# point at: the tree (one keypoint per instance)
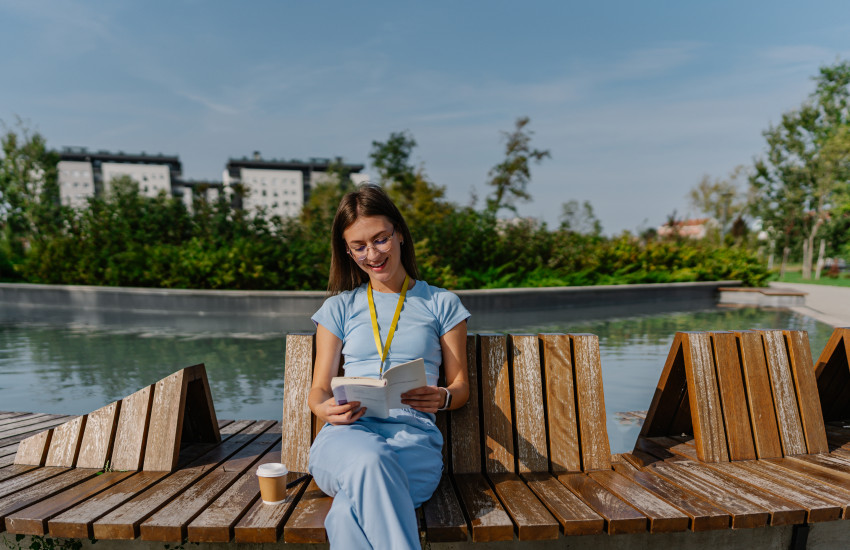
(721, 199)
(806, 163)
(580, 218)
(510, 177)
(29, 189)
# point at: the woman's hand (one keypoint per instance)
(332, 413)
(425, 398)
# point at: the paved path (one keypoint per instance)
(828, 304)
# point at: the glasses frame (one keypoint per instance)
(373, 245)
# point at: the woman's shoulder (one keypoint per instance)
(435, 293)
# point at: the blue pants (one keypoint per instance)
(378, 471)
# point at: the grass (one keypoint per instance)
(793, 275)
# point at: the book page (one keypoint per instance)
(371, 397)
(402, 378)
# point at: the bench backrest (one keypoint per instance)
(833, 374)
(536, 404)
(743, 395)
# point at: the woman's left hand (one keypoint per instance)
(425, 398)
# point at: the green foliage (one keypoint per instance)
(510, 177)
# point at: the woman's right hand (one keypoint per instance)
(340, 414)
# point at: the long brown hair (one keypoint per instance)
(369, 200)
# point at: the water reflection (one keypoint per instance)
(77, 369)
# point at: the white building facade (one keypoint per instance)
(152, 178)
(76, 183)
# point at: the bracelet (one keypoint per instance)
(448, 400)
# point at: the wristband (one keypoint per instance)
(448, 400)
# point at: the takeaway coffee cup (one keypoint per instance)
(272, 479)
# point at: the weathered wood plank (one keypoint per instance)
(745, 514)
(99, 434)
(47, 488)
(166, 422)
(663, 518)
(706, 414)
(619, 516)
(264, 523)
(465, 422)
(65, 443)
(703, 515)
(169, 524)
(15, 470)
(305, 525)
(132, 431)
(592, 419)
(487, 517)
(564, 448)
(33, 450)
(760, 395)
(739, 434)
(27, 479)
(831, 485)
(444, 521)
(784, 395)
(496, 405)
(297, 417)
(35, 423)
(33, 519)
(575, 517)
(811, 416)
(532, 452)
(532, 519)
(123, 522)
(78, 521)
(832, 372)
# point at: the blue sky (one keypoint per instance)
(636, 101)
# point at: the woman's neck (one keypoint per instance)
(392, 286)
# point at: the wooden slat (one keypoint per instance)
(663, 518)
(784, 396)
(760, 396)
(744, 513)
(169, 524)
(123, 523)
(65, 443)
(444, 521)
(564, 448)
(25, 480)
(297, 419)
(532, 452)
(592, 419)
(811, 416)
(831, 485)
(782, 512)
(817, 508)
(98, 436)
(671, 390)
(77, 522)
(166, 422)
(496, 405)
(264, 523)
(706, 414)
(29, 431)
(36, 422)
(465, 422)
(532, 519)
(619, 516)
(739, 434)
(703, 515)
(15, 470)
(33, 450)
(575, 517)
(131, 434)
(306, 525)
(833, 373)
(47, 488)
(33, 519)
(487, 517)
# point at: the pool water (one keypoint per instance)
(75, 370)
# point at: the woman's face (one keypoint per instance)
(375, 246)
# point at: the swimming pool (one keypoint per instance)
(77, 369)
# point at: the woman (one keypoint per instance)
(380, 470)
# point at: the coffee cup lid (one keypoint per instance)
(272, 469)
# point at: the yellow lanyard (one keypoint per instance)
(374, 315)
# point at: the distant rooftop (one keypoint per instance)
(257, 161)
(102, 155)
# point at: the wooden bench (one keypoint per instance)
(528, 455)
(736, 419)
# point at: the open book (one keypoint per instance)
(381, 394)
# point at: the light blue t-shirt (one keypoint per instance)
(428, 313)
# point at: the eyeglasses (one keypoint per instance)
(381, 244)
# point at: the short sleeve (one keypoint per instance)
(332, 316)
(449, 311)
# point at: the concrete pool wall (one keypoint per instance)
(286, 311)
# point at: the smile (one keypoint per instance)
(377, 266)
